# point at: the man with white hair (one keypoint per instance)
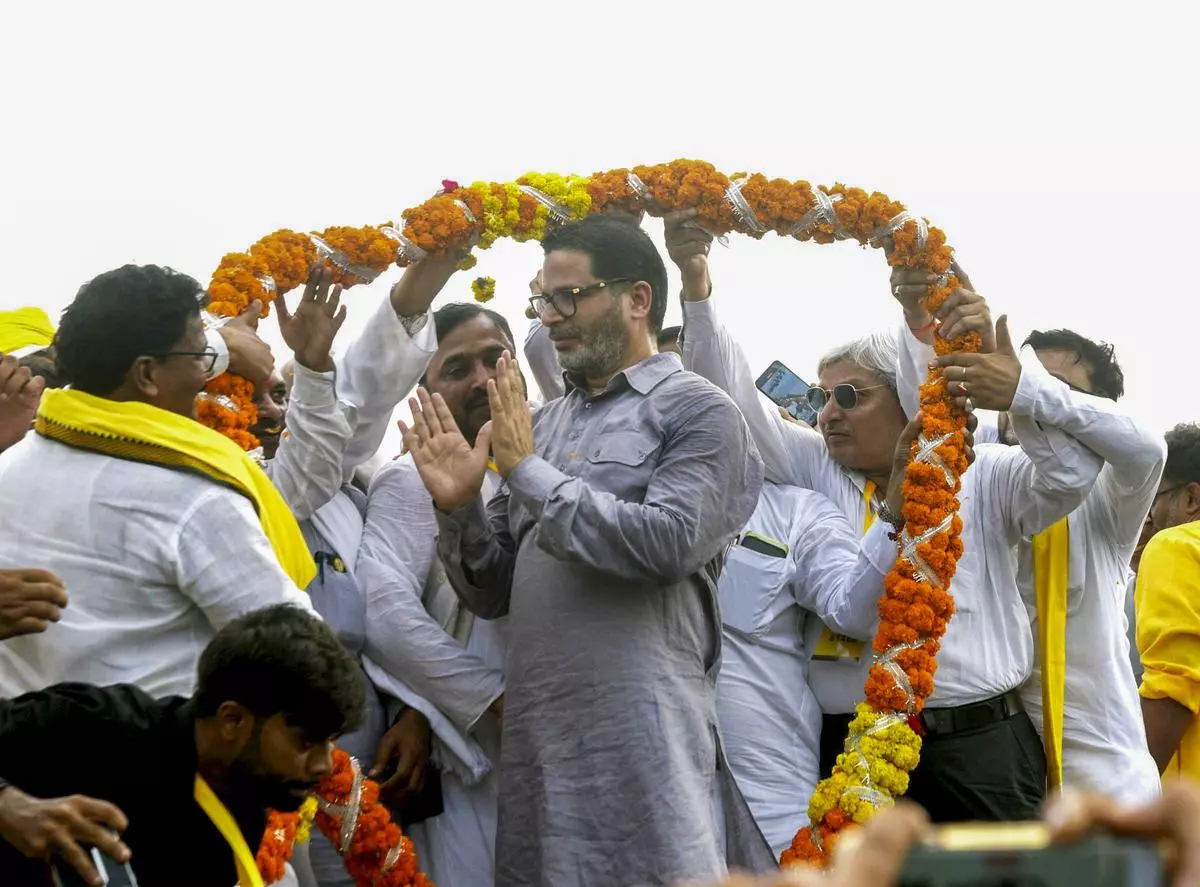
(982, 758)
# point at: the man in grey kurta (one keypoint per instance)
(603, 548)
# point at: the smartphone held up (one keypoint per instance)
(787, 390)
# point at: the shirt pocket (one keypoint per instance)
(622, 463)
(749, 585)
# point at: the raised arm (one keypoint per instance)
(541, 359)
(397, 555)
(307, 467)
(1134, 456)
(388, 359)
(790, 454)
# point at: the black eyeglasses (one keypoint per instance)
(1168, 491)
(566, 301)
(209, 355)
(845, 395)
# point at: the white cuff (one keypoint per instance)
(217, 343)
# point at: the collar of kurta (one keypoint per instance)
(642, 377)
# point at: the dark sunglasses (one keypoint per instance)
(845, 395)
(566, 301)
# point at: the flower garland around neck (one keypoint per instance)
(882, 747)
(346, 809)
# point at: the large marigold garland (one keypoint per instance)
(347, 811)
(883, 747)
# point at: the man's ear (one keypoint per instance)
(142, 376)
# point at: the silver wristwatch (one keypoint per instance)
(888, 516)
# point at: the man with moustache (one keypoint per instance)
(83, 763)
(603, 549)
(981, 755)
(421, 643)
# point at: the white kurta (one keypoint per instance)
(1104, 739)
(155, 561)
(769, 718)
(1005, 496)
(418, 632)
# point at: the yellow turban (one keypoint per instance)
(24, 331)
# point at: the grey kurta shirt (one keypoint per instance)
(603, 549)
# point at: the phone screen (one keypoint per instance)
(114, 873)
(788, 390)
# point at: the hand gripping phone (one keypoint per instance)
(787, 390)
(115, 874)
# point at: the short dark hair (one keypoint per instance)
(671, 335)
(119, 316)
(452, 315)
(616, 249)
(41, 364)
(1107, 378)
(283, 660)
(1183, 454)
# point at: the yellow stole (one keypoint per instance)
(1051, 563)
(142, 433)
(243, 856)
(832, 646)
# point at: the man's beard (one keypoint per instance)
(268, 790)
(599, 350)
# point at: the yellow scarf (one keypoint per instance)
(24, 328)
(1051, 564)
(142, 433)
(243, 856)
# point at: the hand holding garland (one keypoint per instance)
(310, 331)
(989, 380)
(688, 245)
(249, 356)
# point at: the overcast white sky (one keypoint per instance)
(1055, 143)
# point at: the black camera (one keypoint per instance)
(1021, 855)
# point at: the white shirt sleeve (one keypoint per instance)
(1134, 456)
(541, 358)
(225, 564)
(838, 578)
(912, 367)
(398, 551)
(790, 454)
(307, 468)
(1033, 494)
(379, 368)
